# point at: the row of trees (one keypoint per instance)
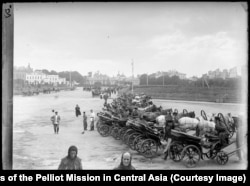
(175, 80)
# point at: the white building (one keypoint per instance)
(35, 77)
(52, 79)
(38, 77)
(61, 80)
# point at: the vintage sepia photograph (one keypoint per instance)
(125, 85)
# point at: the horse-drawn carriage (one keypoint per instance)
(143, 137)
(109, 124)
(190, 149)
(230, 122)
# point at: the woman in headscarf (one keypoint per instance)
(77, 110)
(125, 162)
(71, 162)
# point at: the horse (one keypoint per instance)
(161, 120)
(184, 114)
(211, 116)
(150, 116)
(185, 123)
(204, 126)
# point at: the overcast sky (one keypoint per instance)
(191, 38)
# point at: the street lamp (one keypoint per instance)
(163, 80)
(147, 79)
(132, 75)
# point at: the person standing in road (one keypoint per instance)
(71, 161)
(56, 120)
(169, 125)
(51, 118)
(85, 124)
(92, 120)
(105, 97)
(78, 111)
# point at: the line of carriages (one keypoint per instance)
(143, 137)
(146, 138)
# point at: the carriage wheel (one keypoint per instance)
(175, 150)
(128, 131)
(131, 139)
(138, 142)
(126, 136)
(149, 148)
(98, 124)
(191, 155)
(203, 114)
(122, 132)
(104, 130)
(222, 158)
(211, 154)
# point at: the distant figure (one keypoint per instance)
(53, 111)
(105, 97)
(125, 163)
(56, 121)
(92, 120)
(85, 124)
(71, 161)
(78, 111)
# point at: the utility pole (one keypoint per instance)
(132, 76)
(7, 85)
(70, 79)
(147, 79)
(163, 78)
